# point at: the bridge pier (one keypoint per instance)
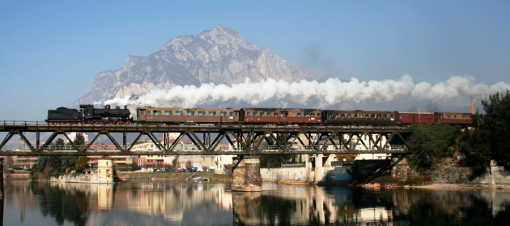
(246, 174)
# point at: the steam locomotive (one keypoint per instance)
(253, 116)
(87, 114)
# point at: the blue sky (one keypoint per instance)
(50, 51)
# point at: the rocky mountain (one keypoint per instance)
(219, 56)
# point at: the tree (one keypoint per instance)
(81, 164)
(496, 123)
(189, 165)
(175, 162)
(134, 165)
(431, 142)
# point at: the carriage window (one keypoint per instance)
(178, 113)
(223, 113)
(379, 116)
(367, 116)
(142, 112)
(149, 112)
(168, 112)
(275, 114)
(306, 114)
(318, 114)
(201, 113)
(455, 116)
(299, 114)
(247, 113)
(268, 114)
(261, 113)
(312, 114)
(236, 113)
(254, 113)
(212, 113)
(231, 114)
(191, 113)
(349, 116)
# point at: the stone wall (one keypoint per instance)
(81, 178)
(462, 175)
(275, 174)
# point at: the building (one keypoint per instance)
(105, 170)
(24, 162)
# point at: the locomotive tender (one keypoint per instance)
(253, 116)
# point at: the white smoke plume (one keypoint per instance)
(330, 92)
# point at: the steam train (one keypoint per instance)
(87, 114)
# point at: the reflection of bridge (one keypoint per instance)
(244, 139)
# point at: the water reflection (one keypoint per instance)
(162, 203)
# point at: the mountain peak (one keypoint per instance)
(218, 56)
(222, 35)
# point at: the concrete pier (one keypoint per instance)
(246, 174)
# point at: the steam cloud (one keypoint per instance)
(330, 92)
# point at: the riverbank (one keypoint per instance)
(423, 182)
(173, 176)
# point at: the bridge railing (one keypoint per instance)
(144, 125)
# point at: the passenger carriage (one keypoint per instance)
(187, 115)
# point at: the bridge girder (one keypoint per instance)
(245, 140)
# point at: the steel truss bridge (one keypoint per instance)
(244, 139)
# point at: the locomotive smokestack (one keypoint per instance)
(472, 106)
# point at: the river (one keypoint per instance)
(166, 203)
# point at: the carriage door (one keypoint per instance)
(283, 116)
